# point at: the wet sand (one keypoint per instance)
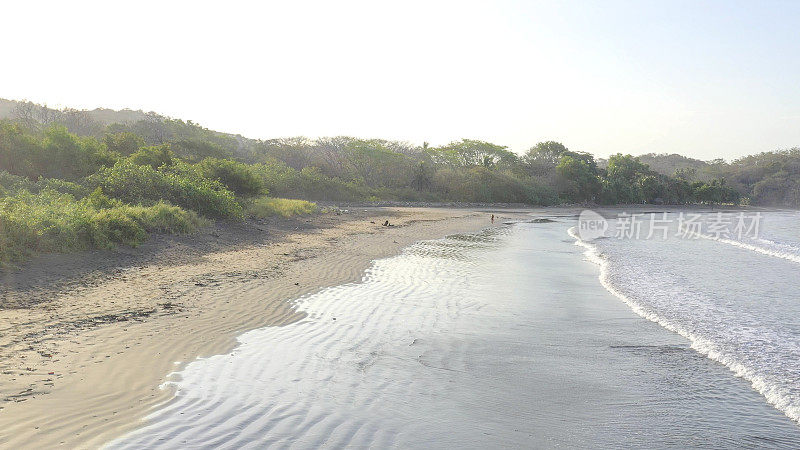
(83, 356)
(503, 338)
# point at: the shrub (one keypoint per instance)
(155, 157)
(54, 222)
(17, 150)
(283, 207)
(13, 183)
(55, 154)
(65, 155)
(239, 178)
(165, 218)
(124, 143)
(65, 187)
(116, 225)
(145, 185)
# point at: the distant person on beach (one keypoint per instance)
(492, 218)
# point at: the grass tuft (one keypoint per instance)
(279, 207)
(50, 221)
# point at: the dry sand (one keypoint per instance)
(86, 340)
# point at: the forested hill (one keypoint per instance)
(7, 108)
(24, 110)
(669, 164)
(152, 127)
(353, 169)
(72, 179)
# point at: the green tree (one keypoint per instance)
(17, 149)
(124, 143)
(155, 156)
(65, 155)
(239, 178)
(471, 153)
(624, 180)
(582, 178)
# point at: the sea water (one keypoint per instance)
(735, 296)
(507, 338)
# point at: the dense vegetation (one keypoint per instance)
(50, 221)
(77, 179)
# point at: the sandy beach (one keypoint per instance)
(504, 338)
(87, 339)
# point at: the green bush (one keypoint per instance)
(13, 183)
(18, 149)
(54, 222)
(269, 207)
(65, 155)
(145, 185)
(165, 218)
(124, 143)
(239, 178)
(155, 157)
(65, 187)
(56, 153)
(116, 225)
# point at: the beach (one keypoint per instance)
(400, 225)
(84, 363)
(442, 330)
(500, 338)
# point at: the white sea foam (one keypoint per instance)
(778, 383)
(766, 247)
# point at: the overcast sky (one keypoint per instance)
(705, 79)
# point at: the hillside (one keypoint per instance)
(102, 116)
(669, 164)
(6, 108)
(153, 128)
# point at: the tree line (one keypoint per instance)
(80, 179)
(70, 144)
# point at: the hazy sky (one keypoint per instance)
(705, 79)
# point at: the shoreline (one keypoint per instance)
(524, 324)
(96, 355)
(101, 346)
(702, 345)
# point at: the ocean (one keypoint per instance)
(523, 336)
